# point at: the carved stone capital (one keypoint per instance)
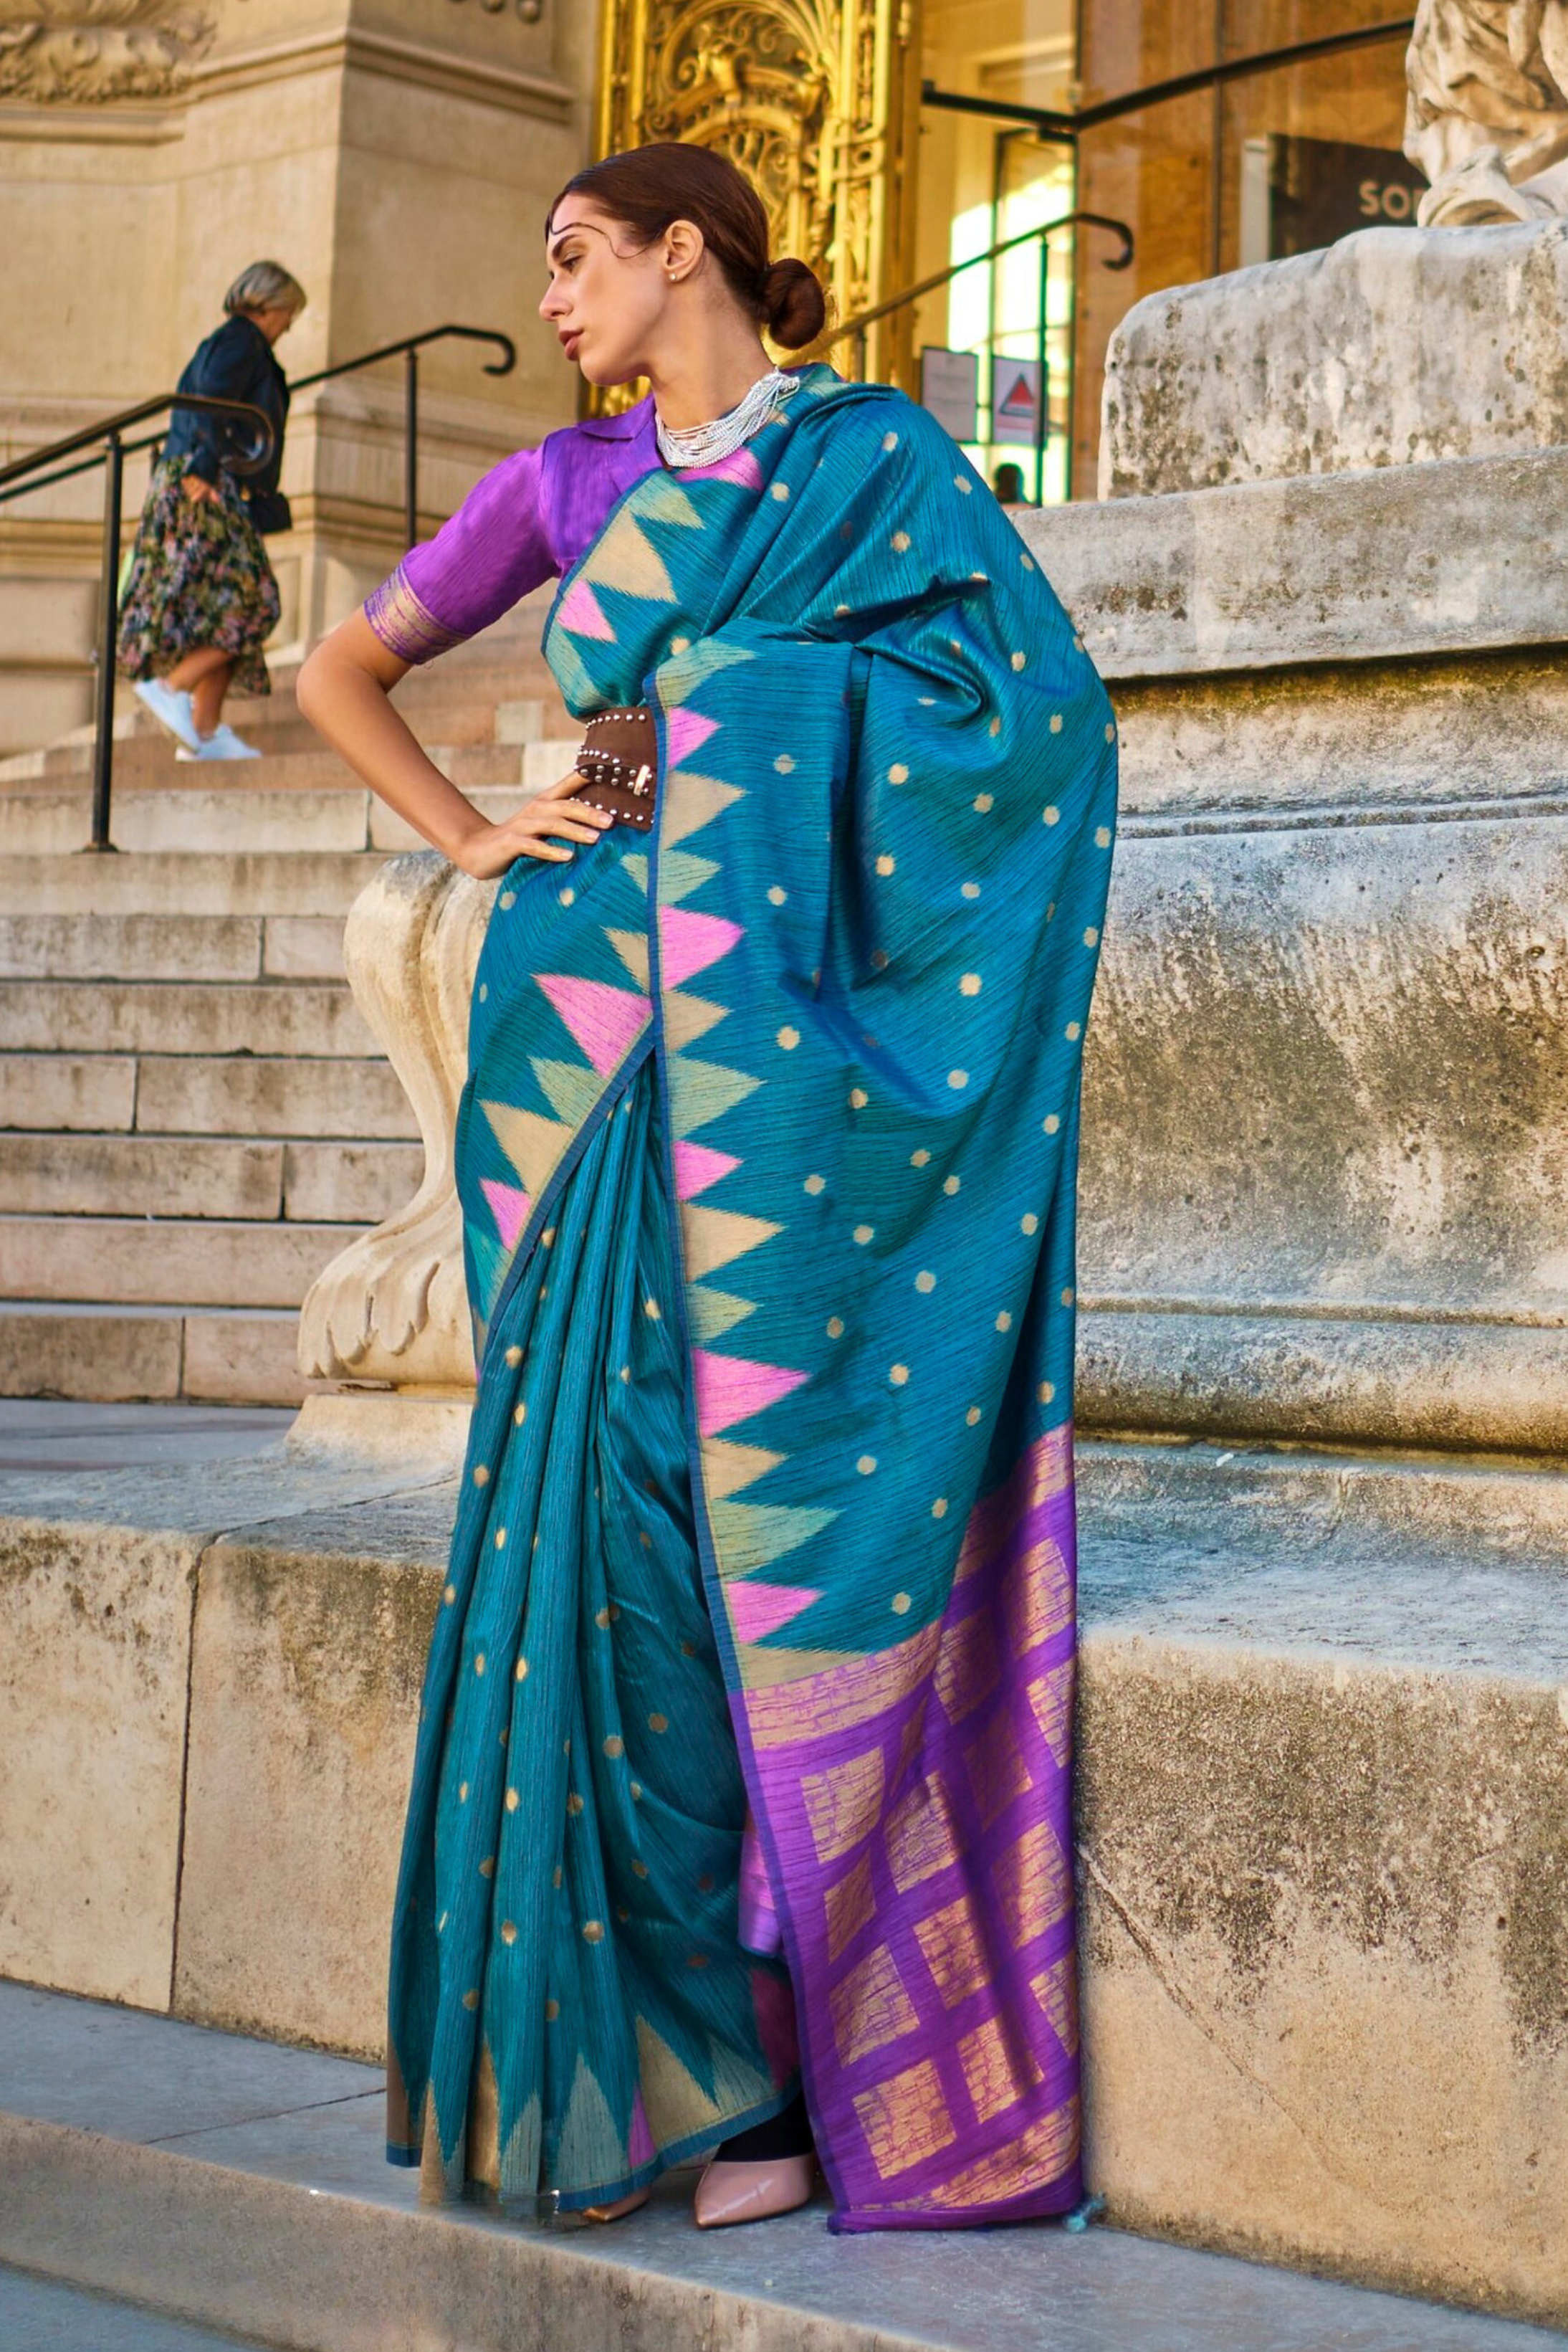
(393, 1306)
(87, 52)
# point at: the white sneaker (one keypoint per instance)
(222, 743)
(171, 707)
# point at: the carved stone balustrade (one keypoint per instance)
(391, 1309)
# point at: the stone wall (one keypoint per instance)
(397, 155)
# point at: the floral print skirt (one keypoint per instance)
(198, 576)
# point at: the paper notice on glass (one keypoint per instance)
(950, 389)
(1015, 401)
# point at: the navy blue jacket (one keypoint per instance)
(234, 363)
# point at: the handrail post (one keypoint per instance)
(410, 446)
(108, 632)
(1042, 414)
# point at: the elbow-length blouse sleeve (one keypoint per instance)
(493, 552)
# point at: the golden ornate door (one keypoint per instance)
(817, 100)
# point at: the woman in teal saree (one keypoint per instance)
(743, 1766)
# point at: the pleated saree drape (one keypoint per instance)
(767, 1161)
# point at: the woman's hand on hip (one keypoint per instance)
(206, 493)
(537, 830)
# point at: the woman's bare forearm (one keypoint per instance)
(343, 692)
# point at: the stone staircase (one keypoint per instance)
(194, 1117)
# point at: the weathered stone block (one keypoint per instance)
(304, 1703)
(115, 1016)
(358, 1183)
(243, 1358)
(147, 1261)
(1358, 1039)
(1390, 348)
(1463, 558)
(93, 1669)
(1323, 1767)
(208, 883)
(246, 1094)
(67, 1091)
(138, 1175)
(128, 947)
(303, 947)
(103, 1356)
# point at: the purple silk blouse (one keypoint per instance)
(525, 522)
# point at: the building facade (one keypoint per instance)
(397, 156)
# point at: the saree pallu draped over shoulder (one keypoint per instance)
(767, 1162)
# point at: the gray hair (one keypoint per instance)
(265, 286)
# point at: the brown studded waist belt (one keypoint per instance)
(619, 764)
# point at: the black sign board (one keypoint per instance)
(1320, 190)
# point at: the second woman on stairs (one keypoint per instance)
(200, 597)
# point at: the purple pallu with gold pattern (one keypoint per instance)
(859, 949)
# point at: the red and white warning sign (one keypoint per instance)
(1015, 400)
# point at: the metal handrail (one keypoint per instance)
(1051, 122)
(110, 428)
(13, 483)
(410, 347)
(17, 479)
(857, 325)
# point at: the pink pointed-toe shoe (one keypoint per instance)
(729, 2192)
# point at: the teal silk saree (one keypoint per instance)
(744, 1756)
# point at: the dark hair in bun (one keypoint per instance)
(649, 187)
(793, 304)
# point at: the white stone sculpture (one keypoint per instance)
(391, 1308)
(1487, 118)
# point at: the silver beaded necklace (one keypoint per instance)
(708, 445)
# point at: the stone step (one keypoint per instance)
(452, 709)
(56, 821)
(1322, 1778)
(353, 1184)
(112, 1016)
(302, 947)
(130, 947)
(152, 1261)
(182, 1176)
(235, 2185)
(546, 761)
(243, 1094)
(39, 2315)
(90, 1093)
(116, 1355)
(208, 884)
